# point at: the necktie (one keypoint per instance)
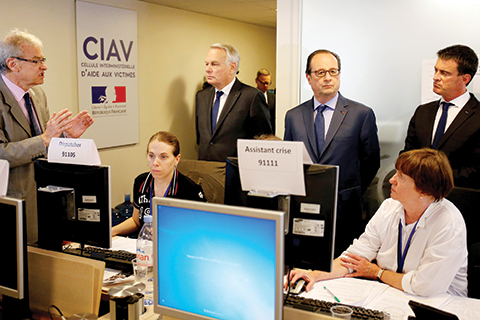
(216, 106)
(441, 124)
(34, 128)
(320, 128)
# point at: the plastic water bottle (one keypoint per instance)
(125, 208)
(145, 243)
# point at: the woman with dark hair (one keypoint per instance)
(416, 241)
(163, 180)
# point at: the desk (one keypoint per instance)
(369, 294)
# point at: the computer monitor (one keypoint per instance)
(73, 204)
(14, 275)
(214, 261)
(309, 243)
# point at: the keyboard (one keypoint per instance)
(323, 307)
(114, 259)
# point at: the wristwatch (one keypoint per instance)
(379, 274)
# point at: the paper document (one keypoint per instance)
(122, 243)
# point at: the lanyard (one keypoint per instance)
(400, 256)
(152, 191)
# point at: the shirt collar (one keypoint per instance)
(17, 92)
(330, 103)
(432, 208)
(226, 90)
(459, 101)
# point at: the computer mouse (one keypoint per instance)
(298, 287)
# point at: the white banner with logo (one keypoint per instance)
(108, 73)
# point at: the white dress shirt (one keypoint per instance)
(458, 103)
(223, 98)
(436, 261)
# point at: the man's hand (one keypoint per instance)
(80, 123)
(58, 123)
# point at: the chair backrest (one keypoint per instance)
(468, 202)
(210, 175)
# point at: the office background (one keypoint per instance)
(172, 45)
(381, 43)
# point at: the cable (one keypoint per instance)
(288, 286)
(60, 312)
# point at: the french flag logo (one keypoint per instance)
(104, 94)
(121, 94)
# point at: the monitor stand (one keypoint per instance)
(270, 200)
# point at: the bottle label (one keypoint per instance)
(145, 256)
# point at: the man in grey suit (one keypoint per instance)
(337, 131)
(26, 128)
(229, 110)
(263, 81)
(459, 136)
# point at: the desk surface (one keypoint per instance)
(371, 295)
(464, 308)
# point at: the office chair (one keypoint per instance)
(210, 175)
(468, 202)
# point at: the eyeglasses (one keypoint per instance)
(34, 61)
(323, 73)
(266, 83)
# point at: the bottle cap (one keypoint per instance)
(127, 197)
(147, 218)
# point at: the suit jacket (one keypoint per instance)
(243, 116)
(271, 108)
(352, 144)
(20, 149)
(351, 141)
(461, 141)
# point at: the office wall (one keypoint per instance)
(381, 44)
(172, 45)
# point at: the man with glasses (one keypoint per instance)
(26, 127)
(337, 131)
(451, 124)
(263, 81)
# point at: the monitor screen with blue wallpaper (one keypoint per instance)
(217, 262)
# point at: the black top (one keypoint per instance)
(181, 187)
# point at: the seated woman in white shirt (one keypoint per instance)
(417, 239)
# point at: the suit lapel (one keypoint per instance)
(308, 121)
(467, 111)
(209, 96)
(339, 115)
(227, 107)
(15, 109)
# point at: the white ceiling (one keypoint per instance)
(259, 12)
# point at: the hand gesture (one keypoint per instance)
(80, 123)
(58, 123)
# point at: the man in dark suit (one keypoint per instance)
(458, 135)
(337, 131)
(263, 81)
(229, 110)
(26, 128)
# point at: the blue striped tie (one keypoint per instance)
(320, 128)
